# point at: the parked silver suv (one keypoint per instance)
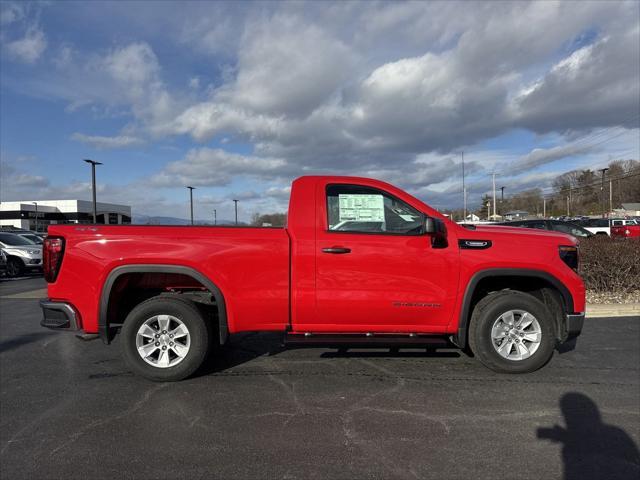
(22, 254)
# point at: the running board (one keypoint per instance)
(368, 340)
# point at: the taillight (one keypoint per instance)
(569, 255)
(52, 252)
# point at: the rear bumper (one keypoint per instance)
(59, 316)
(574, 323)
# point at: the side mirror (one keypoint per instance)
(429, 225)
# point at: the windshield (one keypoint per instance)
(14, 240)
(34, 238)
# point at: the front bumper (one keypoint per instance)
(59, 316)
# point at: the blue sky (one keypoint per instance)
(240, 98)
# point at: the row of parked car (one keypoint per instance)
(584, 228)
(20, 252)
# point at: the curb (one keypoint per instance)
(613, 310)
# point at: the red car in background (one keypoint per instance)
(625, 228)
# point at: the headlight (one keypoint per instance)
(33, 252)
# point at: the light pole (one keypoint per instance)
(191, 189)
(215, 216)
(464, 192)
(603, 170)
(36, 204)
(93, 184)
(493, 175)
(501, 199)
(236, 207)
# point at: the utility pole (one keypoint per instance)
(501, 199)
(93, 184)
(568, 199)
(36, 204)
(610, 195)
(544, 207)
(603, 170)
(464, 192)
(236, 207)
(191, 189)
(488, 209)
(493, 175)
(215, 216)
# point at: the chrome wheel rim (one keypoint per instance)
(516, 335)
(163, 341)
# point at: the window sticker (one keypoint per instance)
(361, 208)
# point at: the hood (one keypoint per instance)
(24, 248)
(491, 232)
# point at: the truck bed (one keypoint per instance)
(250, 264)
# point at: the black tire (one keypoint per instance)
(187, 312)
(485, 314)
(15, 267)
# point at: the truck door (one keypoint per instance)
(376, 269)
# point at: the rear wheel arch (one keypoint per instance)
(541, 284)
(104, 329)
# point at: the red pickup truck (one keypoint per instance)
(623, 228)
(360, 262)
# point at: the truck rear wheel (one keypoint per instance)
(512, 332)
(165, 339)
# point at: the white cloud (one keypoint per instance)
(11, 12)
(216, 167)
(596, 86)
(102, 142)
(30, 47)
(285, 70)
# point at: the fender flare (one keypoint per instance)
(465, 313)
(103, 321)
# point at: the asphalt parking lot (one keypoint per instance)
(71, 409)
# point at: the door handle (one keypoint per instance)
(336, 250)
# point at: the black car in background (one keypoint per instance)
(554, 225)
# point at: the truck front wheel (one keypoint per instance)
(165, 339)
(512, 332)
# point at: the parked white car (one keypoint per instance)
(22, 254)
(597, 226)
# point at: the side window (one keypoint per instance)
(617, 222)
(599, 222)
(571, 230)
(538, 225)
(354, 208)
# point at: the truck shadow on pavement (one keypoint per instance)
(591, 448)
(21, 340)
(243, 348)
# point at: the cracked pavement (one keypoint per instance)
(71, 409)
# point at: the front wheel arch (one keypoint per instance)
(487, 281)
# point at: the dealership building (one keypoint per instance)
(38, 214)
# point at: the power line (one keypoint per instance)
(596, 183)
